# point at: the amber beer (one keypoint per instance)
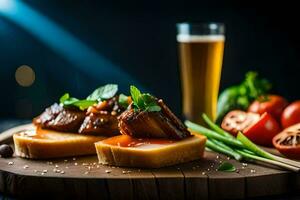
(201, 64)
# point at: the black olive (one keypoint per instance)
(6, 151)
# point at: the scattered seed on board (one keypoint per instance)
(25, 166)
(56, 166)
(245, 164)
(10, 163)
(76, 164)
(108, 171)
(252, 171)
(62, 172)
(86, 172)
(57, 171)
(45, 170)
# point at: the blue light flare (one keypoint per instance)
(65, 44)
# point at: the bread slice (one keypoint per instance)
(41, 143)
(149, 153)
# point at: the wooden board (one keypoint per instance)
(84, 178)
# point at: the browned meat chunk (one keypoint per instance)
(104, 124)
(102, 118)
(143, 124)
(60, 119)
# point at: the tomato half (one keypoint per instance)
(291, 115)
(274, 105)
(288, 142)
(238, 120)
(263, 131)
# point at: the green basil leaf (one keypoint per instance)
(154, 108)
(136, 97)
(84, 104)
(143, 101)
(64, 97)
(104, 92)
(226, 167)
(70, 101)
(123, 100)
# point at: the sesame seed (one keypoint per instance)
(62, 172)
(124, 172)
(66, 160)
(85, 164)
(76, 164)
(25, 166)
(57, 171)
(45, 170)
(98, 166)
(108, 171)
(67, 167)
(10, 163)
(89, 168)
(74, 158)
(252, 171)
(86, 172)
(203, 173)
(42, 173)
(56, 166)
(35, 171)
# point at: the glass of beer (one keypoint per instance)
(201, 49)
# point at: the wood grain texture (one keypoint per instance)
(84, 178)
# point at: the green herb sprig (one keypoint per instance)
(143, 101)
(102, 93)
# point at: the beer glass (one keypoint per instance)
(201, 49)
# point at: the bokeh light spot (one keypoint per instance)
(25, 76)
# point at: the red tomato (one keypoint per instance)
(287, 142)
(238, 120)
(274, 106)
(263, 131)
(291, 115)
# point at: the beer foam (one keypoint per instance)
(200, 38)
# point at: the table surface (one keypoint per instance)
(6, 124)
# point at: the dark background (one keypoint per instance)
(141, 39)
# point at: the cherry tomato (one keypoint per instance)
(263, 131)
(288, 142)
(291, 115)
(274, 105)
(238, 120)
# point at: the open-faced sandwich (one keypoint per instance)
(152, 136)
(71, 127)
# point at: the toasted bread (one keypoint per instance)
(150, 153)
(41, 143)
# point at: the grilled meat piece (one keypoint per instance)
(104, 124)
(102, 118)
(59, 118)
(143, 124)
